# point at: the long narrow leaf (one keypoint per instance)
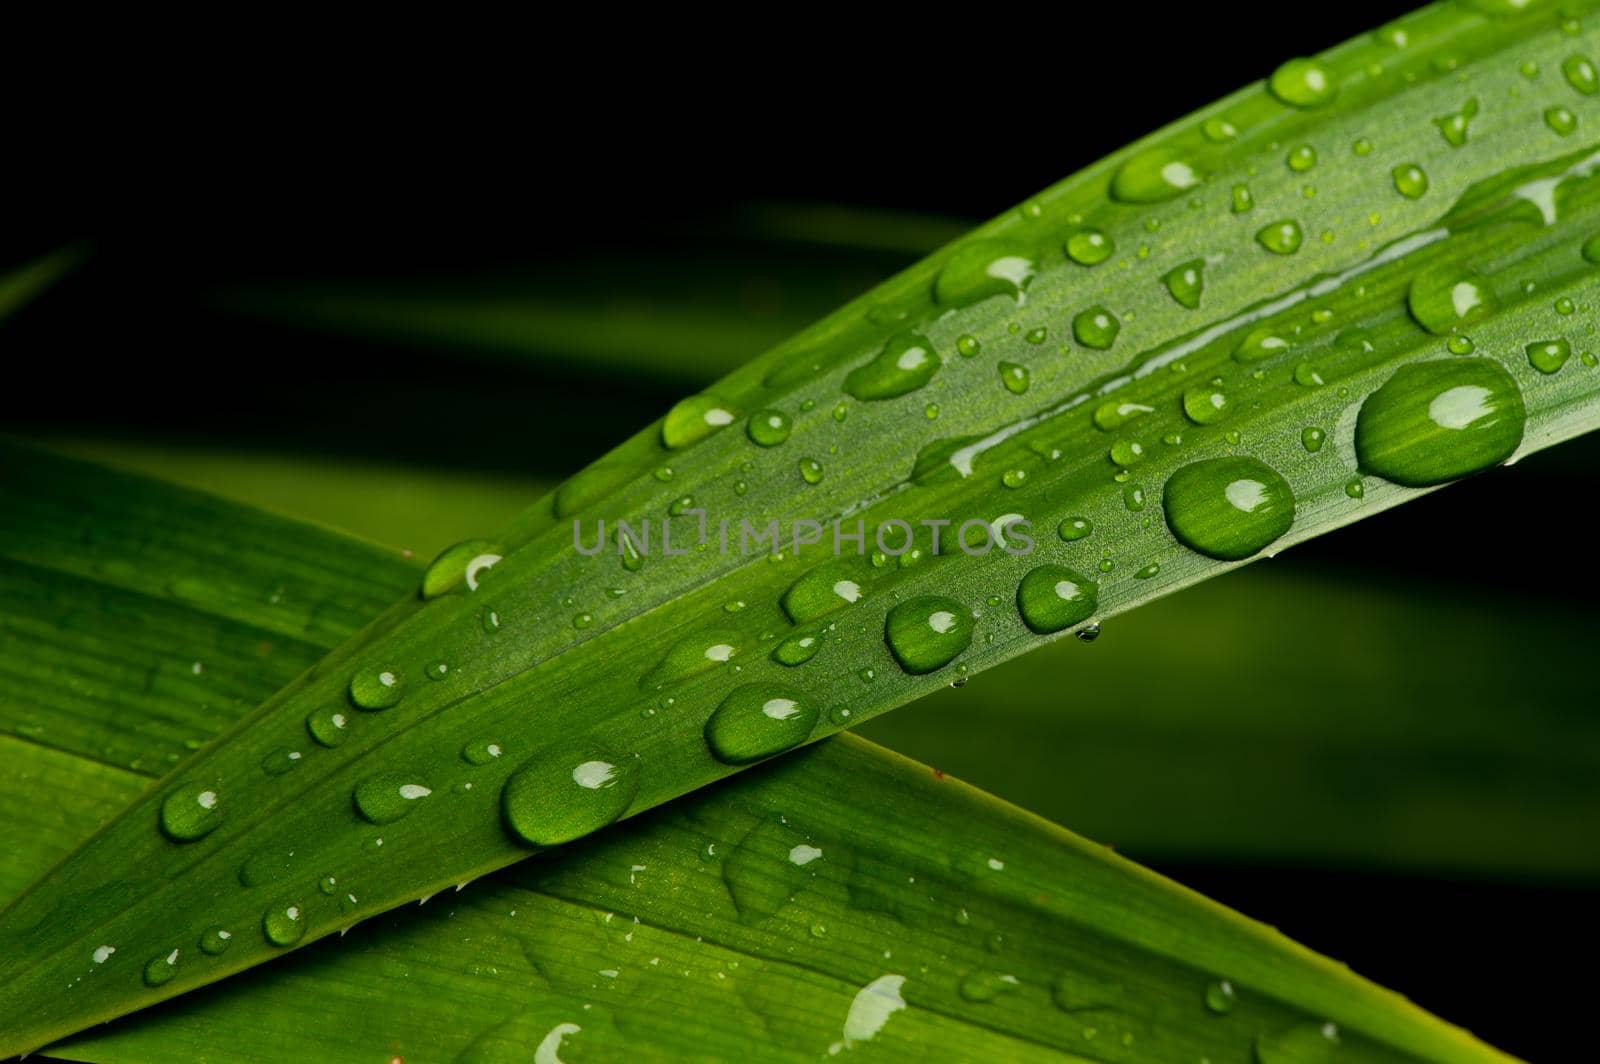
(762, 912)
(1324, 317)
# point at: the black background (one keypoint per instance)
(540, 145)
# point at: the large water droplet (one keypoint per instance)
(375, 689)
(693, 419)
(386, 798)
(1228, 508)
(821, 591)
(1303, 83)
(906, 363)
(1053, 597)
(1435, 421)
(459, 564)
(927, 633)
(1447, 298)
(1153, 176)
(190, 812)
(567, 793)
(691, 656)
(757, 721)
(761, 872)
(284, 924)
(980, 269)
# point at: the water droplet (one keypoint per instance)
(281, 760)
(1242, 199)
(796, 650)
(1580, 73)
(811, 471)
(1014, 377)
(1362, 146)
(1072, 529)
(1410, 181)
(757, 721)
(1228, 508)
(1096, 327)
(437, 670)
(927, 633)
(980, 269)
(389, 796)
(481, 752)
(1301, 159)
(161, 968)
(981, 985)
(1185, 283)
(215, 940)
(1219, 997)
(328, 884)
(1303, 83)
(1204, 404)
(1259, 345)
(1565, 306)
(1460, 345)
(1053, 597)
(459, 564)
(968, 346)
(490, 621)
(1308, 376)
(1447, 298)
(1306, 1043)
(1561, 121)
(693, 419)
(284, 924)
(1435, 421)
(1453, 127)
(691, 656)
(191, 811)
(1548, 356)
(769, 428)
(1281, 238)
(1126, 453)
(1312, 438)
(566, 793)
(820, 591)
(1153, 176)
(1089, 246)
(376, 689)
(1133, 498)
(1115, 412)
(1014, 478)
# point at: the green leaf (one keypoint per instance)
(760, 913)
(23, 285)
(545, 656)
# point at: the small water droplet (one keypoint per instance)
(1312, 438)
(1089, 246)
(1096, 327)
(191, 811)
(161, 968)
(769, 428)
(457, 565)
(1579, 70)
(1306, 1043)
(1072, 529)
(1454, 127)
(693, 419)
(1204, 404)
(1561, 121)
(1303, 83)
(1153, 176)
(1548, 356)
(1410, 181)
(1281, 237)
(796, 650)
(1219, 997)
(757, 721)
(1052, 598)
(387, 797)
(284, 924)
(1301, 159)
(215, 940)
(1014, 377)
(1447, 298)
(376, 689)
(482, 752)
(691, 656)
(980, 269)
(1186, 283)
(811, 471)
